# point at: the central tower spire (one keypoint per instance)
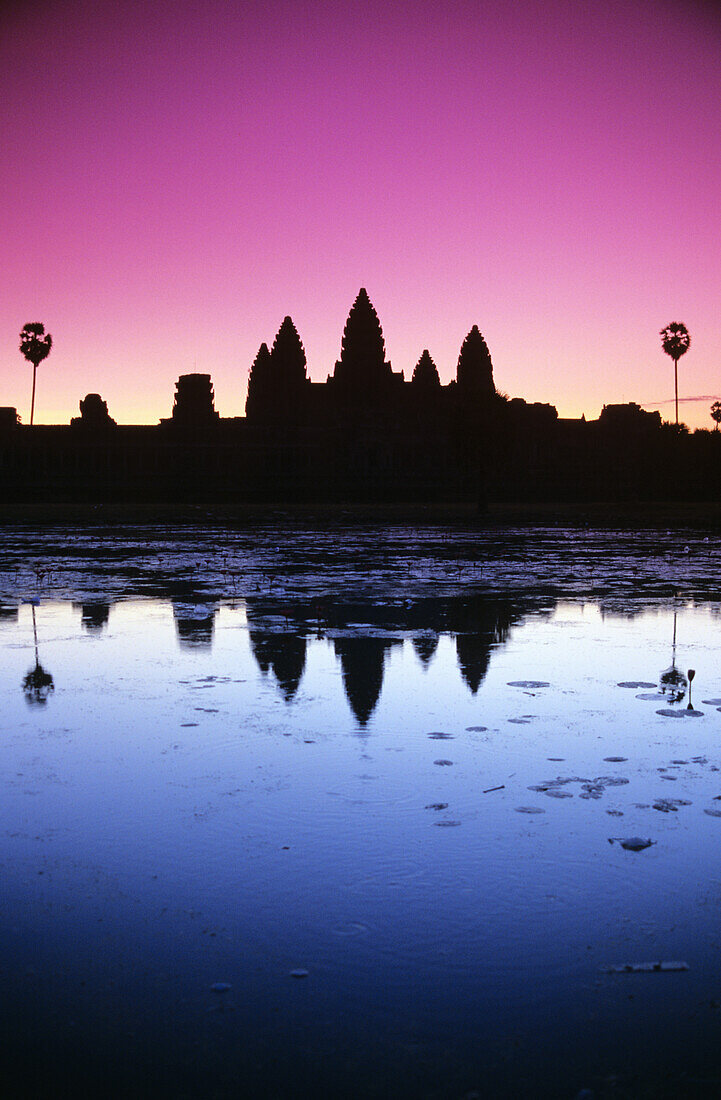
(362, 370)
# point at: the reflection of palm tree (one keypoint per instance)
(672, 681)
(37, 683)
(676, 341)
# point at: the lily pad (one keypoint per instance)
(636, 684)
(528, 683)
(529, 810)
(679, 712)
(443, 763)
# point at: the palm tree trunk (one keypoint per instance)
(675, 385)
(32, 403)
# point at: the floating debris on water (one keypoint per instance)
(636, 684)
(437, 806)
(473, 729)
(615, 759)
(446, 824)
(443, 763)
(528, 683)
(713, 813)
(711, 702)
(670, 805)
(631, 843)
(529, 810)
(437, 736)
(646, 968)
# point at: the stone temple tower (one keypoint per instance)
(362, 377)
(194, 405)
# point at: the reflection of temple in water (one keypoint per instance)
(194, 624)
(487, 624)
(94, 615)
(425, 646)
(478, 624)
(362, 663)
(282, 652)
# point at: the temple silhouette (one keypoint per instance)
(365, 434)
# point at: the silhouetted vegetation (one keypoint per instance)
(35, 344)
(676, 342)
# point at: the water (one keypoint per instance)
(294, 796)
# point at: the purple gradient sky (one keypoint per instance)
(178, 177)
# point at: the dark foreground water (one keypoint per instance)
(354, 830)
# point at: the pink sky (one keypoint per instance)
(178, 177)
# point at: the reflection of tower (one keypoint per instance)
(194, 625)
(481, 625)
(474, 654)
(362, 664)
(284, 653)
(425, 646)
(94, 616)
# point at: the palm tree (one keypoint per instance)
(676, 342)
(716, 413)
(35, 345)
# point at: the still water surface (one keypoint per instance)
(234, 791)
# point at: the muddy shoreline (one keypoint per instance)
(632, 515)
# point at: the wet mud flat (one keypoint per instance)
(377, 813)
(382, 563)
